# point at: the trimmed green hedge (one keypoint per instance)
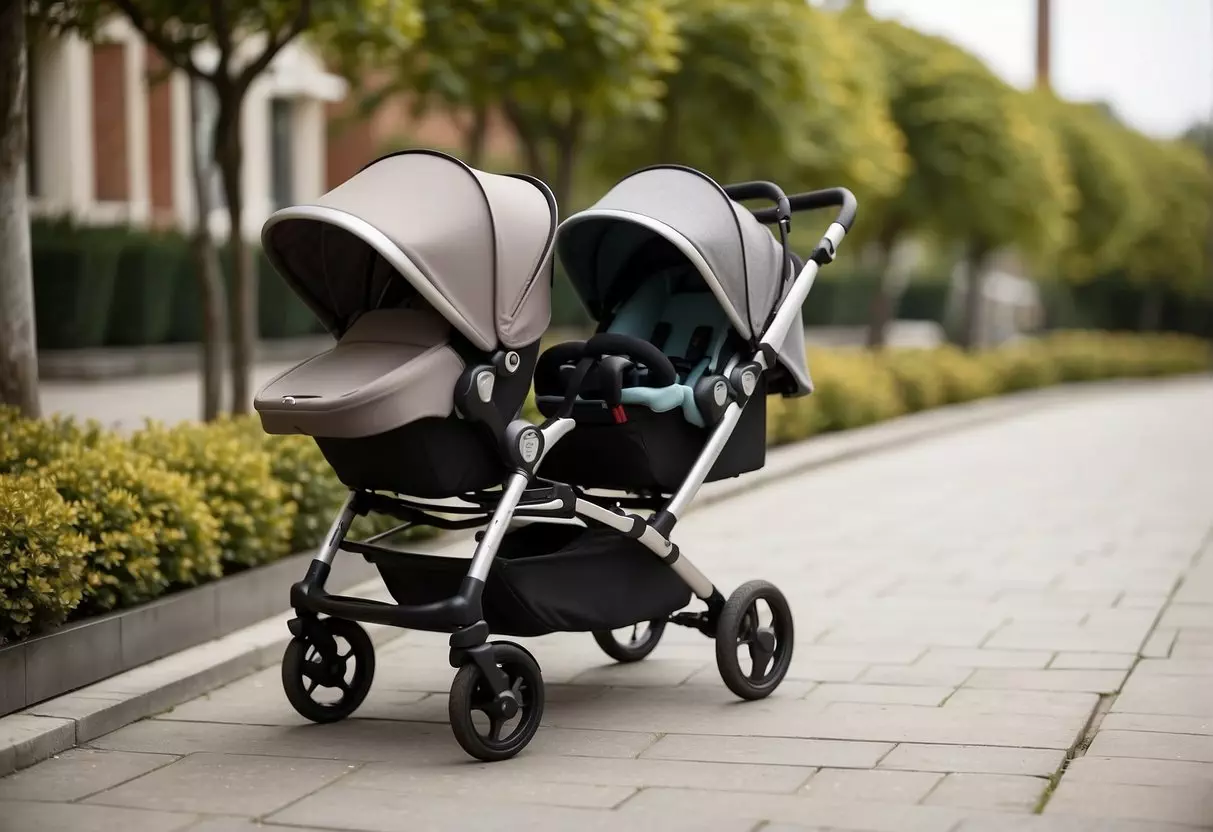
(91, 521)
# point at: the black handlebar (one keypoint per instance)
(841, 198)
(743, 191)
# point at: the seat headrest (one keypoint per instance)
(420, 327)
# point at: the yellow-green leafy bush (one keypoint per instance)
(150, 527)
(233, 473)
(42, 556)
(25, 442)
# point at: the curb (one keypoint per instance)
(39, 732)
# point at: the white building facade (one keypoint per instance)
(110, 133)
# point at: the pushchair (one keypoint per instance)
(435, 279)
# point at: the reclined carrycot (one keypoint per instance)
(396, 262)
(670, 257)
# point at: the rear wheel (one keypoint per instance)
(496, 727)
(631, 644)
(754, 639)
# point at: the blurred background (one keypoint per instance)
(1022, 166)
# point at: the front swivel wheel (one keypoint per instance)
(327, 671)
(493, 727)
(754, 638)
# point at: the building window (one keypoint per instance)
(282, 152)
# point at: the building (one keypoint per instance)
(110, 127)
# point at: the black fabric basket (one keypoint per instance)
(549, 578)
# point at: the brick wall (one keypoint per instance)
(111, 181)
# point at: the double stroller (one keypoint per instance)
(435, 280)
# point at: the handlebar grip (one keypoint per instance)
(742, 191)
(841, 198)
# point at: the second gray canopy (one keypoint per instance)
(736, 255)
(475, 246)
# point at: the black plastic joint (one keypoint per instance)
(744, 378)
(470, 636)
(823, 255)
(312, 583)
(663, 523)
(638, 527)
(672, 557)
(523, 446)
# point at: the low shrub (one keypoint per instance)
(42, 556)
(150, 528)
(234, 474)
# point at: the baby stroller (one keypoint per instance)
(435, 278)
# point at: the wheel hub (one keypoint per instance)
(505, 705)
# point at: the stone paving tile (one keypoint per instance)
(996, 792)
(986, 657)
(1093, 661)
(859, 785)
(232, 824)
(1092, 681)
(928, 675)
(1076, 639)
(974, 759)
(1148, 803)
(1168, 695)
(79, 772)
(350, 809)
(1026, 702)
(28, 816)
(874, 816)
(1188, 615)
(769, 751)
(826, 693)
(1140, 772)
(1153, 746)
(635, 773)
(1175, 667)
(1159, 644)
(990, 822)
(860, 654)
(1158, 724)
(229, 784)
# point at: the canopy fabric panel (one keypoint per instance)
(475, 245)
(739, 259)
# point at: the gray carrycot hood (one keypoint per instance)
(476, 246)
(736, 255)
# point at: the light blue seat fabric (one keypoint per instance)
(658, 302)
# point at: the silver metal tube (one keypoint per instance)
(695, 579)
(337, 532)
(482, 560)
(707, 458)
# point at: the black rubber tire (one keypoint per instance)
(302, 652)
(634, 650)
(469, 692)
(736, 627)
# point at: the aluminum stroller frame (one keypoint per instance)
(501, 679)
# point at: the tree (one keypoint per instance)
(247, 35)
(1172, 252)
(782, 91)
(18, 342)
(554, 71)
(1112, 202)
(983, 172)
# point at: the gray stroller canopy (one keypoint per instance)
(476, 246)
(737, 256)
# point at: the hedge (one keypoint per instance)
(93, 521)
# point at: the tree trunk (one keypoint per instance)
(568, 140)
(477, 136)
(230, 156)
(18, 337)
(974, 302)
(1151, 308)
(881, 310)
(210, 277)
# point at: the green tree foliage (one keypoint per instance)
(788, 94)
(554, 71)
(1112, 202)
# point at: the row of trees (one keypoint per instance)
(933, 143)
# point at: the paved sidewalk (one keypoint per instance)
(1006, 628)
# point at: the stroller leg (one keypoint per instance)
(482, 560)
